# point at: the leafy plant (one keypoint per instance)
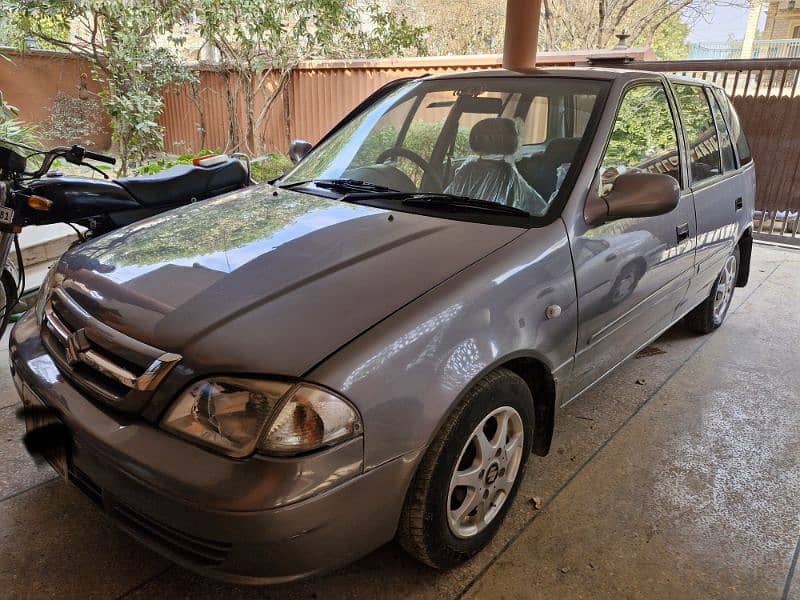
(280, 34)
(13, 129)
(269, 167)
(165, 162)
(420, 139)
(123, 41)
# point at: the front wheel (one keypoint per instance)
(709, 315)
(469, 476)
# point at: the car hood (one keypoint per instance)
(267, 280)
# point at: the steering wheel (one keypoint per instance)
(427, 170)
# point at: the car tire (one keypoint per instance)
(709, 315)
(430, 528)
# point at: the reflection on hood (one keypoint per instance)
(267, 280)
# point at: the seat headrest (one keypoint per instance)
(562, 150)
(494, 136)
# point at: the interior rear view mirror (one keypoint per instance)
(298, 150)
(633, 195)
(479, 105)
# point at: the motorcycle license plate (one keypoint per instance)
(6, 215)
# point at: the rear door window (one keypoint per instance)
(698, 122)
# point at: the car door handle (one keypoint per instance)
(683, 232)
(738, 203)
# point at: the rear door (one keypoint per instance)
(632, 275)
(712, 171)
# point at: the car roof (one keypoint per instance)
(604, 73)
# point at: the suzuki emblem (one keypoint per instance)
(77, 342)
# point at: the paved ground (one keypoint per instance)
(678, 476)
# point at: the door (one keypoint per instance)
(717, 189)
(632, 275)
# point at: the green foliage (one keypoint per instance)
(222, 224)
(14, 28)
(669, 40)
(263, 168)
(269, 167)
(390, 34)
(420, 139)
(282, 33)
(122, 42)
(165, 162)
(644, 129)
(11, 128)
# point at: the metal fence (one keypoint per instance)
(786, 48)
(766, 93)
(317, 96)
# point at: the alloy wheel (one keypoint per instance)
(725, 285)
(486, 472)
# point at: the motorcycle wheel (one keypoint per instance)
(8, 299)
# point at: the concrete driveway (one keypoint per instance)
(678, 476)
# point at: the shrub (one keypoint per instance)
(269, 167)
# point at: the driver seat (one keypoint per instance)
(493, 175)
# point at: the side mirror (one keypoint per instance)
(634, 195)
(298, 150)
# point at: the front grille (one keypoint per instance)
(113, 367)
(196, 550)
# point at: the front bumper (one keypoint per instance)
(248, 521)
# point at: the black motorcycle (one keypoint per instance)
(42, 197)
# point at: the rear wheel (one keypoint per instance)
(469, 476)
(709, 315)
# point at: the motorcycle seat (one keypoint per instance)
(182, 184)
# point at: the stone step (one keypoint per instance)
(44, 243)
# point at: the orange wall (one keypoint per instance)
(30, 82)
(320, 93)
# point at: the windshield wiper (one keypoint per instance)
(433, 201)
(354, 190)
(341, 185)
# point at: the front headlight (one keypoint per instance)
(238, 416)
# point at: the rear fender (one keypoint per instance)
(745, 252)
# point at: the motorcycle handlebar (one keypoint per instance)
(99, 157)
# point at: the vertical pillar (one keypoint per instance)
(522, 34)
(752, 29)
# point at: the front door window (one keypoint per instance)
(643, 138)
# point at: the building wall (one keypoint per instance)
(781, 22)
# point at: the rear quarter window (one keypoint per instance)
(735, 126)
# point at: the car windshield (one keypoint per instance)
(506, 140)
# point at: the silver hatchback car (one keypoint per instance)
(272, 383)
